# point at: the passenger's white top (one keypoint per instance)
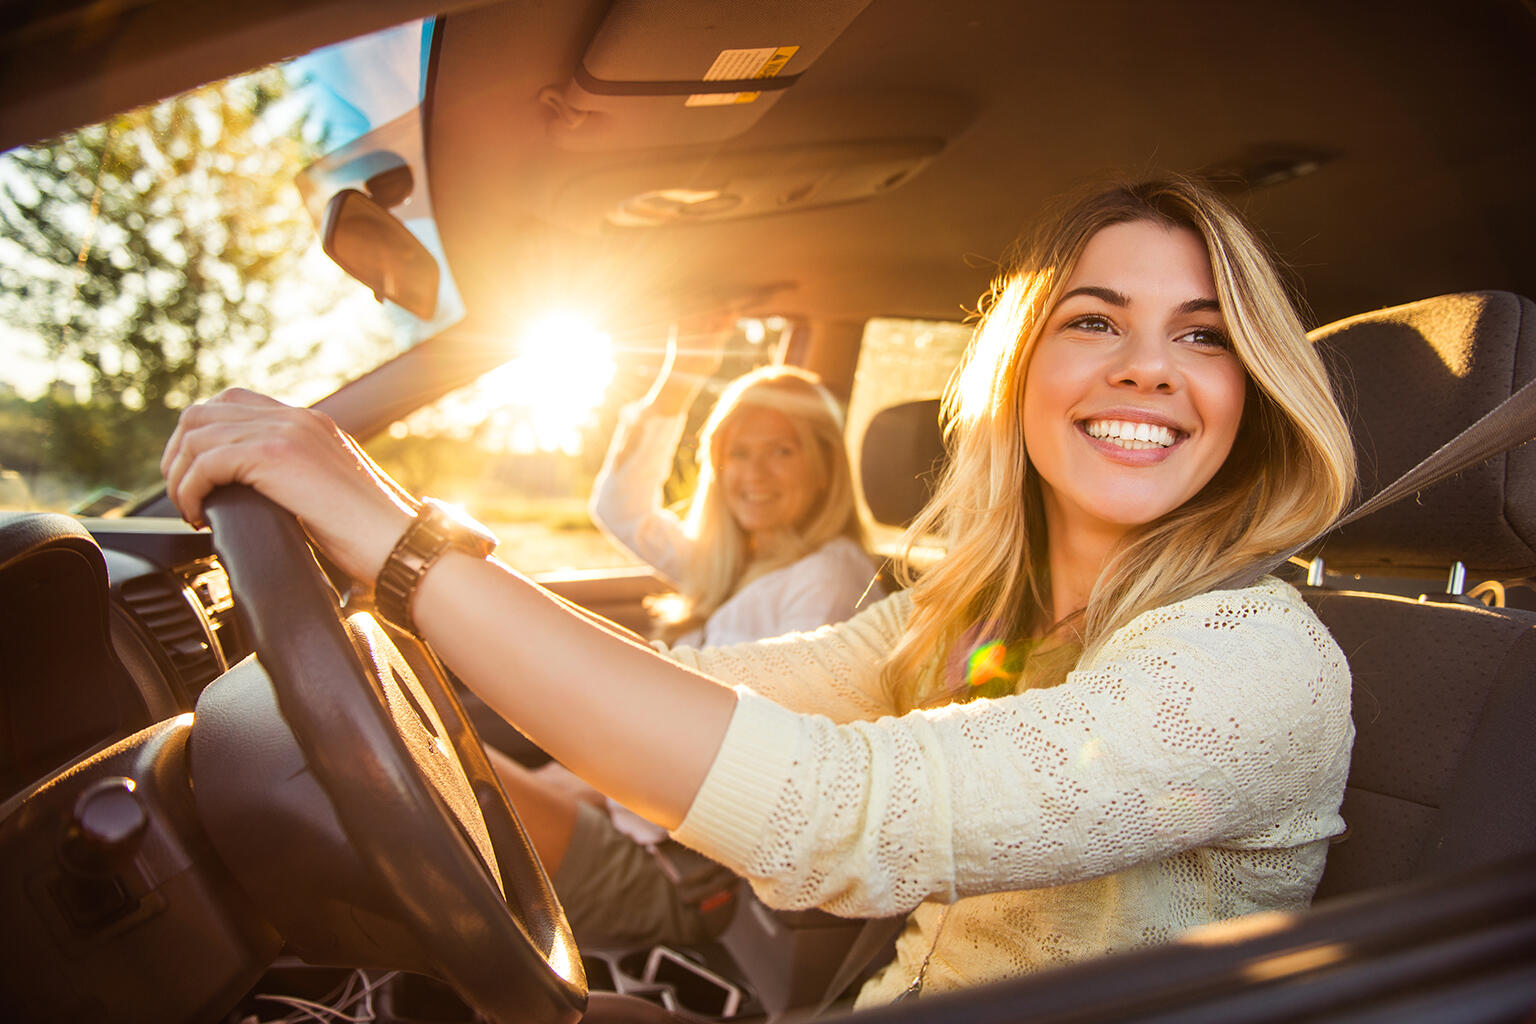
(827, 585)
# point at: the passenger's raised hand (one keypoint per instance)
(695, 350)
(696, 345)
(299, 459)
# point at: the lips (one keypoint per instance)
(1132, 435)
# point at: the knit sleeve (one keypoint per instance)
(1220, 721)
(833, 671)
(626, 496)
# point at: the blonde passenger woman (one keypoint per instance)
(771, 542)
(1077, 733)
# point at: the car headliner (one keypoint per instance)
(1417, 117)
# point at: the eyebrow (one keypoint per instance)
(1121, 300)
(1109, 295)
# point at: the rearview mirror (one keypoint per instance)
(368, 243)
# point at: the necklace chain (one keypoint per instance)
(915, 989)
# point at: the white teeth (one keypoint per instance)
(1135, 436)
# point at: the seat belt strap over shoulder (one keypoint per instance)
(1506, 426)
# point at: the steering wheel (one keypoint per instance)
(381, 748)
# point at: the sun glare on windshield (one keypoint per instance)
(562, 374)
(537, 402)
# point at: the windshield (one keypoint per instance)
(154, 259)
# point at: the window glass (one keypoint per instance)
(899, 361)
(154, 259)
(520, 447)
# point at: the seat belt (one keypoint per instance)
(871, 941)
(1506, 426)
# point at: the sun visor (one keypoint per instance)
(689, 71)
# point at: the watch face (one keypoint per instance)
(464, 531)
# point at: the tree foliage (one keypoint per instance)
(148, 250)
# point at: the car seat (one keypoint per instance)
(1444, 768)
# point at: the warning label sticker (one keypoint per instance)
(761, 62)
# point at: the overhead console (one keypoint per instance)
(690, 71)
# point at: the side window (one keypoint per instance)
(520, 447)
(899, 361)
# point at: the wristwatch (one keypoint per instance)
(437, 528)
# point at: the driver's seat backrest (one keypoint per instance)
(1444, 768)
(1443, 774)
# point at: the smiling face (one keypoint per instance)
(1133, 395)
(765, 473)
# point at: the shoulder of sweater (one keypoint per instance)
(1270, 592)
(1269, 601)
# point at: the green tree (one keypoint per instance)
(148, 250)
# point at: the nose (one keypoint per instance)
(752, 465)
(1144, 362)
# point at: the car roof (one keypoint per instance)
(1398, 137)
(1415, 120)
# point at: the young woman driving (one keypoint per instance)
(1140, 418)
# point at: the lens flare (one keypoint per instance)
(987, 663)
(539, 401)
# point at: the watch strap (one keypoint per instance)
(435, 530)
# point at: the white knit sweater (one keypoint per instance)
(1191, 771)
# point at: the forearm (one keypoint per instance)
(634, 725)
(627, 495)
(694, 351)
(674, 392)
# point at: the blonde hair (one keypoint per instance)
(1290, 472)
(720, 556)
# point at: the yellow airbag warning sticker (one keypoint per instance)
(762, 62)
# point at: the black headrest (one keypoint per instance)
(900, 460)
(1411, 377)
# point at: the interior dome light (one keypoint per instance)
(669, 205)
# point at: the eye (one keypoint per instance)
(1207, 337)
(1095, 323)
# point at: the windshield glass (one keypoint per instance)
(156, 258)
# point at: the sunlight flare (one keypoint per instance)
(539, 400)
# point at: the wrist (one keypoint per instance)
(435, 529)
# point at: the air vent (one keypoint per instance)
(209, 583)
(174, 617)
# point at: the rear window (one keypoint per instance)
(899, 361)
